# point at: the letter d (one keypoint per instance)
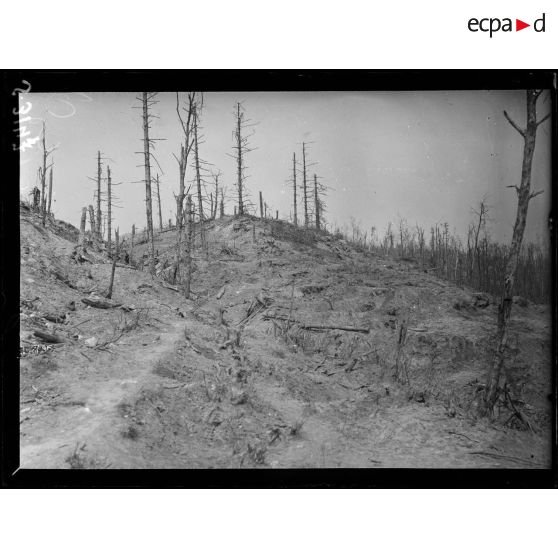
(535, 25)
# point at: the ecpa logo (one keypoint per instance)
(494, 24)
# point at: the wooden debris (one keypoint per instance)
(166, 285)
(100, 303)
(502, 456)
(221, 292)
(48, 337)
(319, 327)
(56, 318)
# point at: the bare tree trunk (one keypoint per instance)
(216, 196)
(222, 205)
(294, 190)
(148, 202)
(109, 213)
(114, 260)
(49, 191)
(180, 197)
(43, 178)
(190, 244)
(317, 202)
(159, 202)
(239, 159)
(36, 198)
(261, 206)
(99, 218)
(304, 189)
(82, 226)
(198, 178)
(92, 220)
(524, 195)
(132, 245)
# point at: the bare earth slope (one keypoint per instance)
(238, 377)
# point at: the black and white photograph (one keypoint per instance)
(289, 279)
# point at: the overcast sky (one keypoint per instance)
(426, 157)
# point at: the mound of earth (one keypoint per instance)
(296, 349)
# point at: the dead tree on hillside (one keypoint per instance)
(147, 101)
(295, 217)
(114, 260)
(110, 205)
(98, 198)
(481, 214)
(159, 203)
(319, 204)
(193, 100)
(306, 189)
(42, 175)
(99, 214)
(222, 203)
(241, 148)
(132, 245)
(214, 205)
(92, 220)
(82, 227)
(197, 168)
(50, 189)
(524, 194)
(189, 246)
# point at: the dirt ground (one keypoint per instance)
(237, 377)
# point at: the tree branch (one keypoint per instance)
(535, 194)
(543, 119)
(517, 128)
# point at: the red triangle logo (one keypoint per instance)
(519, 25)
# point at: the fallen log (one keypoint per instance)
(325, 327)
(99, 303)
(48, 337)
(56, 318)
(171, 287)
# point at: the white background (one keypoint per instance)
(280, 523)
(272, 34)
(285, 34)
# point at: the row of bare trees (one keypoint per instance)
(479, 262)
(312, 191)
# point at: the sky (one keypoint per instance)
(426, 157)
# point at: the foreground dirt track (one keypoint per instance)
(238, 377)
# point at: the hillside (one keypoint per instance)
(296, 350)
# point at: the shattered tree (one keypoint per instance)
(185, 149)
(241, 147)
(295, 217)
(524, 195)
(99, 213)
(147, 163)
(198, 178)
(159, 202)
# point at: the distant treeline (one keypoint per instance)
(478, 263)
